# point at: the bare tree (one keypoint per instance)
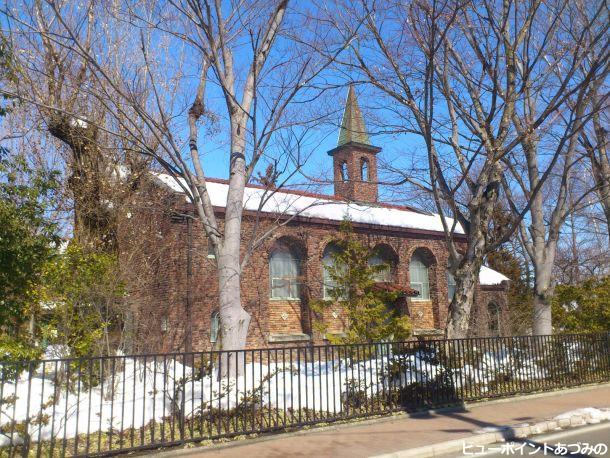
(564, 192)
(460, 70)
(249, 56)
(582, 251)
(57, 79)
(594, 140)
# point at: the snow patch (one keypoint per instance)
(143, 391)
(76, 122)
(286, 203)
(491, 277)
(591, 414)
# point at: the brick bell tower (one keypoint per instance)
(354, 158)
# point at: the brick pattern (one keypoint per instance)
(480, 318)
(355, 189)
(156, 254)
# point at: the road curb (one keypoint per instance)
(503, 434)
(209, 446)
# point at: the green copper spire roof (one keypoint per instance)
(353, 128)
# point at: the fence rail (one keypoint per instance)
(110, 405)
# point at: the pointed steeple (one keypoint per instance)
(353, 129)
(354, 158)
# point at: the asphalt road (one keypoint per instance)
(587, 441)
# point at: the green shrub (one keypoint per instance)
(13, 352)
(584, 307)
(370, 315)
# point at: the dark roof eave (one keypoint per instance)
(369, 148)
(497, 287)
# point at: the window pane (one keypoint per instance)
(384, 275)
(284, 273)
(214, 326)
(425, 292)
(450, 286)
(328, 261)
(419, 277)
(417, 287)
(493, 313)
(280, 288)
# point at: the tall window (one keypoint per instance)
(328, 262)
(284, 272)
(214, 326)
(493, 319)
(344, 174)
(450, 286)
(418, 271)
(364, 169)
(385, 274)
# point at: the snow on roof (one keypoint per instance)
(311, 206)
(490, 277)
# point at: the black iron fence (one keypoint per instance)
(110, 405)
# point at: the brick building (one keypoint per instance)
(173, 291)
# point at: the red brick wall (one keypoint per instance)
(159, 279)
(355, 188)
(480, 317)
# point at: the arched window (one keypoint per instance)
(328, 262)
(450, 286)
(418, 271)
(284, 273)
(344, 174)
(381, 257)
(211, 254)
(364, 169)
(493, 319)
(214, 326)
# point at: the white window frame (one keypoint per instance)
(327, 283)
(294, 285)
(420, 283)
(385, 275)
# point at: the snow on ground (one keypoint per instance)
(142, 393)
(591, 414)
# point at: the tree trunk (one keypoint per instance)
(543, 323)
(601, 168)
(603, 182)
(94, 223)
(543, 291)
(481, 209)
(463, 299)
(234, 320)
